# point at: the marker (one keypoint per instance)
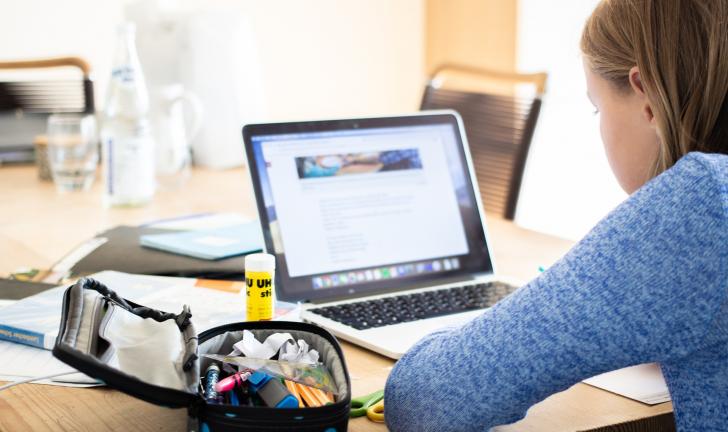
(229, 383)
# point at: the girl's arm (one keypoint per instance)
(647, 284)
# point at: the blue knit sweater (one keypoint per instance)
(648, 284)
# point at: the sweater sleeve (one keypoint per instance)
(646, 284)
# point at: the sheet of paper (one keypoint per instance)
(212, 302)
(19, 362)
(643, 383)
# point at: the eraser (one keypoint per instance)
(258, 380)
(276, 395)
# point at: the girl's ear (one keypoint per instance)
(635, 81)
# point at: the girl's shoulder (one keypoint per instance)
(712, 164)
(696, 187)
(700, 178)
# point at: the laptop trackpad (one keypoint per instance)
(395, 340)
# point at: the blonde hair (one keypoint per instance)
(681, 50)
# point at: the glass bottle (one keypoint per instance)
(127, 143)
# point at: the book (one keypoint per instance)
(35, 320)
(209, 244)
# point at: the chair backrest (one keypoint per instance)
(27, 99)
(499, 111)
(47, 96)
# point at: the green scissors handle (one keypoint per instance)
(361, 404)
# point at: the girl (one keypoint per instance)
(650, 281)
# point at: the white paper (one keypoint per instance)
(19, 362)
(298, 353)
(643, 383)
(281, 343)
(72, 258)
(4, 302)
(209, 307)
(251, 347)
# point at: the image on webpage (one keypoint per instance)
(357, 163)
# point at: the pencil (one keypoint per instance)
(291, 386)
(320, 395)
(308, 396)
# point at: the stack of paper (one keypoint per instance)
(34, 320)
(643, 383)
(19, 362)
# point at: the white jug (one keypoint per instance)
(173, 133)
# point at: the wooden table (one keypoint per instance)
(38, 226)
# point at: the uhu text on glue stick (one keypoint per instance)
(259, 275)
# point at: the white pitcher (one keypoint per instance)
(173, 133)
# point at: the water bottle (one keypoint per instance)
(128, 146)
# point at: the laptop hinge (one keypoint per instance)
(422, 284)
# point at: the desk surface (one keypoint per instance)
(38, 226)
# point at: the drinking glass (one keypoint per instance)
(72, 151)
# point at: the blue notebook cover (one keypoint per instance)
(209, 244)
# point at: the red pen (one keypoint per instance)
(229, 383)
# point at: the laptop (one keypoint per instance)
(376, 225)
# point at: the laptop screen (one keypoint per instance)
(366, 205)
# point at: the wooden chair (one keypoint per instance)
(26, 103)
(499, 111)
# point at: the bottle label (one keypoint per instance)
(124, 73)
(259, 295)
(130, 167)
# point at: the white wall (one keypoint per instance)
(46, 28)
(326, 58)
(319, 57)
(568, 185)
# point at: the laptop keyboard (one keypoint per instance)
(368, 314)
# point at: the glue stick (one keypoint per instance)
(259, 276)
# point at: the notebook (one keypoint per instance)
(376, 225)
(209, 244)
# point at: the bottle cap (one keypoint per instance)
(260, 261)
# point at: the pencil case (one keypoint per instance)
(158, 357)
